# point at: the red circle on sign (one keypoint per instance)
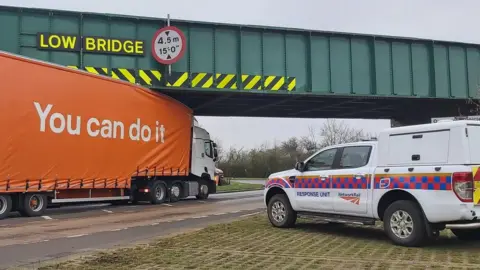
(182, 51)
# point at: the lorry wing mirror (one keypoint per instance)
(300, 166)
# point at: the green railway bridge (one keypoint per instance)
(240, 70)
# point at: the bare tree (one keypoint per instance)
(310, 142)
(275, 156)
(291, 147)
(475, 102)
(334, 132)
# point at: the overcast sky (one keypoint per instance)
(432, 19)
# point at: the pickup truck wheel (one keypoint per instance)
(5, 206)
(280, 212)
(467, 235)
(404, 224)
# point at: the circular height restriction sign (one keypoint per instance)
(168, 45)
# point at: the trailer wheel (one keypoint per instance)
(158, 193)
(5, 206)
(34, 205)
(203, 191)
(176, 192)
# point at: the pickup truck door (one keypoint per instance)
(313, 185)
(351, 180)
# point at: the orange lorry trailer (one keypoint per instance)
(72, 137)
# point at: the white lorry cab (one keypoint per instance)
(417, 179)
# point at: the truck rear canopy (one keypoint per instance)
(473, 132)
(456, 142)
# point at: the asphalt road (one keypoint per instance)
(63, 232)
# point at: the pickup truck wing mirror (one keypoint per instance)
(300, 166)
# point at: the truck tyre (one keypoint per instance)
(34, 205)
(404, 224)
(280, 212)
(203, 191)
(467, 234)
(5, 206)
(158, 194)
(176, 192)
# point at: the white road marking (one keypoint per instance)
(107, 211)
(168, 204)
(233, 212)
(47, 217)
(154, 224)
(252, 214)
(219, 214)
(180, 219)
(77, 235)
(115, 230)
(200, 217)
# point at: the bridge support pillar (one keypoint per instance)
(400, 121)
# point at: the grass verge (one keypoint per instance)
(254, 244)
(250, 179)
(237, 186)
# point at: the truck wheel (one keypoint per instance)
(202, 190)
(404, 224)
(5, 206)
(175, 192)
(467, 235)
(280, 212)
(34, 205)
(158, 193)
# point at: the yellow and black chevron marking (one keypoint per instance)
(291, 83)
(250, 82)
(226, 81)
(124, 74)
(177, 79)
(273, 83)
(202, 80)
(97, 70)
(149, 77)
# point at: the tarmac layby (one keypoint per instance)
(63, 232)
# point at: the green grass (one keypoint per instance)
(254, 244)
(250, 179)
(236, 186)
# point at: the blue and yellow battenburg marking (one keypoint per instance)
(434, 181)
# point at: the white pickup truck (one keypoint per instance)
(417, 179)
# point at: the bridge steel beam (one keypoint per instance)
(230, 60)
